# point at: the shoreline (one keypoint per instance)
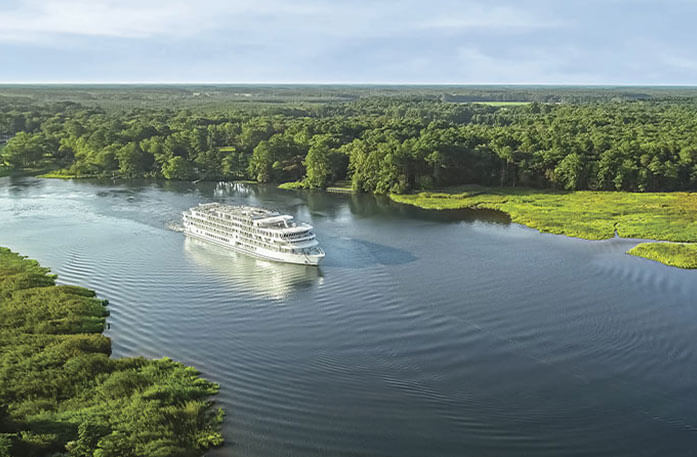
(668, 220)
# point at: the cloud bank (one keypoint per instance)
(380, 41)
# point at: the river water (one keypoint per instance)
(422, 334)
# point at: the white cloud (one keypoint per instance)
(40, 20)
(46, 20)
(469, 41)
(478, 16)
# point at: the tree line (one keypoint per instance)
(380, 144)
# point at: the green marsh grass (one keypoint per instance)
(668, 216)
(681, 255)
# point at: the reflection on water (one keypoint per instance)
(260, 277)
(224, 188)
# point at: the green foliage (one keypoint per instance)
(178, 169)
(400, 140)
(26, 150)
(293, 185)
(131, 159)
(324, 163)
(61, 392)
(5, 444)
(277, 159)
(583, 214)
(681, 255)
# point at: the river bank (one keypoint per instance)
(20, 172)
(339, 187)
(670, 216)
(61, 391)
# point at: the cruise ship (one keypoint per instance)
(255, 231)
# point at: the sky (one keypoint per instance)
(606, 42)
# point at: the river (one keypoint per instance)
(422, 333)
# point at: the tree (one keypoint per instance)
(178, 169)
(318, 161)
(24, 150)
(208, 163)
(131, 160)
(569, 172)
(260, 165)
(277, 159)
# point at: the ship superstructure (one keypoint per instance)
(255, 231)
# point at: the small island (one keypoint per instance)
(62, 394)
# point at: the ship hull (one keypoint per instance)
(261, 253)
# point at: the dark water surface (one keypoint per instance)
(422, 334)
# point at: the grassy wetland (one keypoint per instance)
(681, 255)
(587, 214)
(61, 393)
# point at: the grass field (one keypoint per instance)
(670, 216)
(682, 255)
(502, 103)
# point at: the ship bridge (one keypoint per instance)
(276, 221)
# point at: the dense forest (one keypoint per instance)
(61, 393)
(381, 140)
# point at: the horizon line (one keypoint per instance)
(339, 83)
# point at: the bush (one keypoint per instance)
(64, 393)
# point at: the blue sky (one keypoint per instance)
(380, 41)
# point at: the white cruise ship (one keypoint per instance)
(255, 231)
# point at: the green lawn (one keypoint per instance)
(669, 216)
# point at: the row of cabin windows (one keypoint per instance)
(203, 232)
(254, 240)
(256, 243)
(245, 230)
(250, 239)
(285, 236)
(283, 248)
